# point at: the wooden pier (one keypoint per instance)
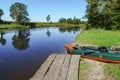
(59, 67)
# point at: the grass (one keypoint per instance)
(103, 38)
(13, 25)
(82, 67)
(99, 37)
(113, 70)
(55, 24)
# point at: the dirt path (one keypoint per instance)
(95, 71)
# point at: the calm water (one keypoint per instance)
(23, 51)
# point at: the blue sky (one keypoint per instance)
(39, 9)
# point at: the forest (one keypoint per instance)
(103, 14)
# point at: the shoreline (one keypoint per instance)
(95, 70)
(37, 25)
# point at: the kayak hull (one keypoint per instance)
(106, 57)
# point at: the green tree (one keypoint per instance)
(102, 13)
(62, 20)
(18, 12)
(92, 12)
(116, 15)
(48, 18)
(76, 20)
(107, 13)
(69, 20)
(1, 13)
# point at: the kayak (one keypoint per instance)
(95, 53)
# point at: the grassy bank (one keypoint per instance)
(103, 38)
(36, 25)
(55, 24)
(99, 37)
(113, 70)
(12, 26)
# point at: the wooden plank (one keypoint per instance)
(65, 67)
(55, 68)
(43, 69)
(73, 68)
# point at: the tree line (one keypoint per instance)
(70, 20)
(19, 13)
(103, 14)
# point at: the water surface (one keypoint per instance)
(23, 51)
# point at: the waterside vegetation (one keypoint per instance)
(99, 37)
(102, 37)
(103, 14)
(113, 70)
(14, 25)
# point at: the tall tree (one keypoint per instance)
(70, 21)
(116, 15)
(18, 12)
(1, 13)
(108, 12)
(48, 18)
(92, 12)
(76, 20)
(62, 20)
(101, 13)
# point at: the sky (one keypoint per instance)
(39, 9)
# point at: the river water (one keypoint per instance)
(23, 51)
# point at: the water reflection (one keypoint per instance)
(48, 33)
(2, 40)
(25, 50)
(70, 29)
(21, 40)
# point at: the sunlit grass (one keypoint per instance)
(55, 25)
(99, 37)
(103, 38)
(11, 26)
(82, 67)
(113, 70)
(37, 24)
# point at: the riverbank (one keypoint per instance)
(37, 25)
(98, 70)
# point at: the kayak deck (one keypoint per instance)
(95, 53)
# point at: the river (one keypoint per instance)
(23, 51)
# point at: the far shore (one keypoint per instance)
(37, 25)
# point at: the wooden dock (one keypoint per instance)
(59, 67)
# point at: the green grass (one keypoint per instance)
(103, 38)
(55, 24)
(113, 70)
(12, 26)
(82, 67)
(99, 37)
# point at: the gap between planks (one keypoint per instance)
(59, 67)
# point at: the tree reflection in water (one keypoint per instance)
(2, 40)
(70, 29)
(21, 39)
(48, 33)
